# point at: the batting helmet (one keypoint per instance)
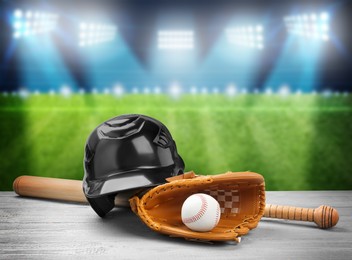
(125, 153)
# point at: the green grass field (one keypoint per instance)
(298, 142)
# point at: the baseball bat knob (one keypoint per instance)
(326, 217)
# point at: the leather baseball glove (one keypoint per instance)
(241, 196)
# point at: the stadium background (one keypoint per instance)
(284, 110)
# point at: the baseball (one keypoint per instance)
(200, 212)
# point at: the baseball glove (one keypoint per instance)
(241, 196)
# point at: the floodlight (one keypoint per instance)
(194, 90)
(215, 90)
(249, 36)
(106, 91)
(36, 92)
(32, 23)
(81, 91)
(284, 91)
(65, 91)
(298, 92)
(231, 90)
(95, 33)
(18, 13)
(175, 40)
(157, 90)
(204, 91)
(146, 90)
(324, 16)
(268, 91)
(29, 14)
(326, 93)
(135, 90)
(310, 26)
(118, 90)
(244, 91)
(175, 90)
(23, 93)
(94, 91)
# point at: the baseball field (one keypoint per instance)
(298, 142)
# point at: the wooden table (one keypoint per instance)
(36, 229)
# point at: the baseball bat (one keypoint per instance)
(49, 188)
(324, 216)
(71, 190)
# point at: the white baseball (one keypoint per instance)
(200, 212)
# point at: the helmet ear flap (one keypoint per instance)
(102, 205)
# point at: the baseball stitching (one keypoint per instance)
(200, 213)
(217, 215)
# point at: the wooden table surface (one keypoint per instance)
(37, 229)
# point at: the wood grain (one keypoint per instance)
(49, 188)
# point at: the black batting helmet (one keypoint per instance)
(125, 153)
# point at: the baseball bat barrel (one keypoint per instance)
(49, 188)
(324, 216)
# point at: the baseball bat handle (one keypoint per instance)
(49, 188)
(324, 216)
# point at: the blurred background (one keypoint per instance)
(242, 85)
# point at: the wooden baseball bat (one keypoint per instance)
(49, 188)
(71, 190)
(323, 216)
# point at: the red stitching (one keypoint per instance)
(200, 213)
(217, 215)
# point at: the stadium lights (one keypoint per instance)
(175, 40)
(175, 90)
(146, 90)
(326, 93)
(95, 33)
(215, 91)
(157, 90)
(298, 92)
(65, 91)
(194, 90)
(204, 90)
(106, 91)
(248, 36)
(23, 93)
(231, 90)
(135, 90)
(244, 91)
(312, 26)
(268, 91)
(118, 90)
(30, 23)
(81, 91)
(284, 91)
